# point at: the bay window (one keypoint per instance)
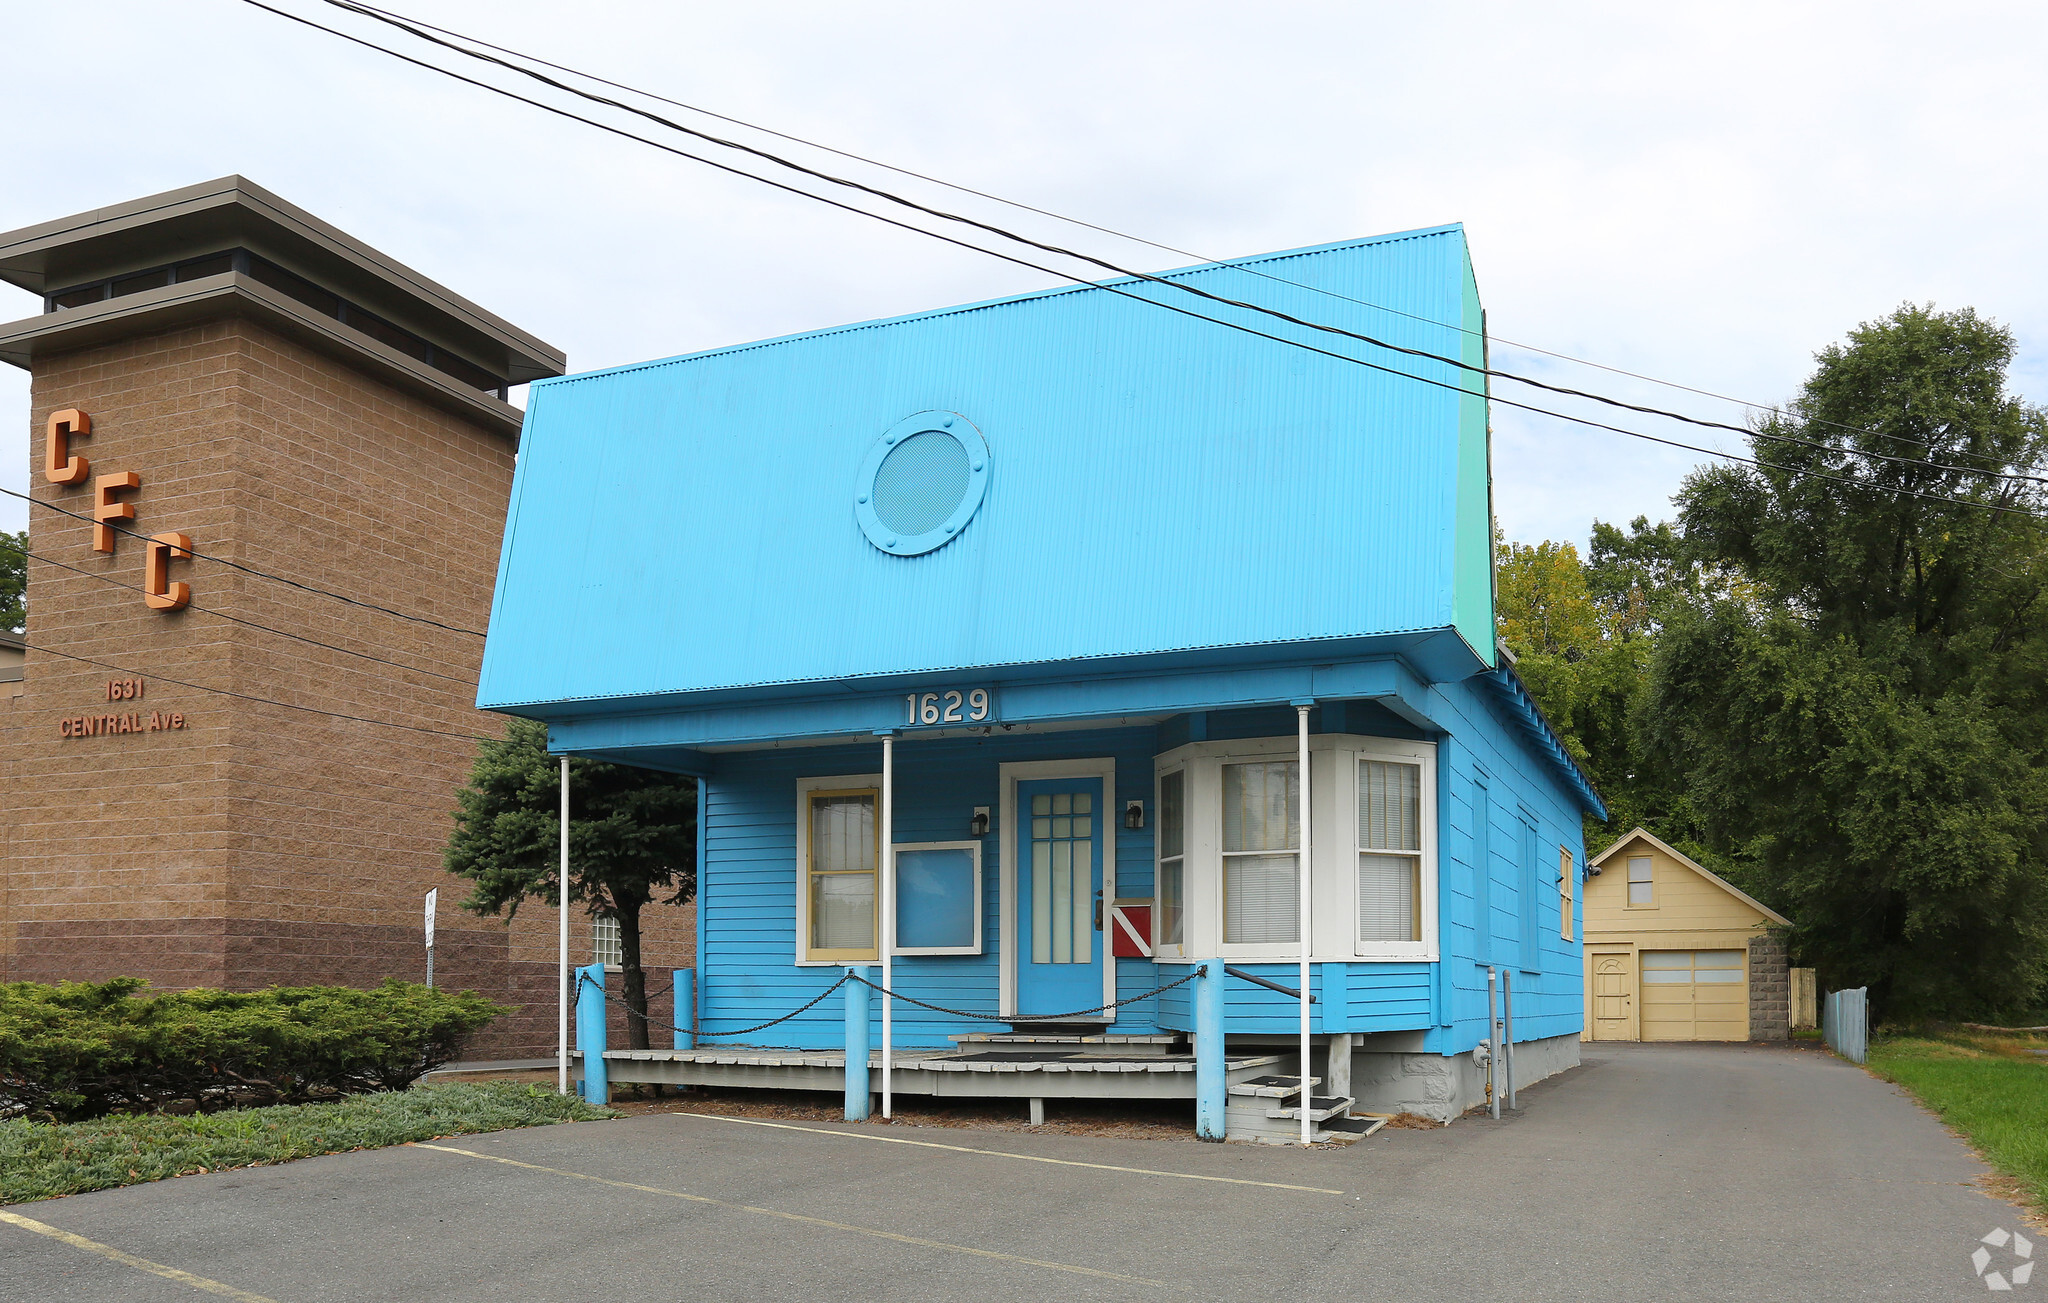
(1168, 915)
(1261, 864)
(1228, 841)
(1389, 851)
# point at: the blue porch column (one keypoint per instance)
(857, 1097)
(1209, 1077)
(597, 1084)
(685, 1005)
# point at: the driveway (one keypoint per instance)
(1661, 1172)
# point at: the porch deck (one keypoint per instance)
(1003, 1072)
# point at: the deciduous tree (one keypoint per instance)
(1867, 727)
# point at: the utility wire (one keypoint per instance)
(249, 570)
(1234, 264)
(261, 701)
(282, 633)
(382, 16)
(1117, 290)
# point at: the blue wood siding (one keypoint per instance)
(747, 915)
(749, 883)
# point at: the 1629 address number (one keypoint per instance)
(952, 706)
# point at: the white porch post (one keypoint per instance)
(1307, 1095)
(562, 948)
(888, 928)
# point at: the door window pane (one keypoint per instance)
(1063, 878)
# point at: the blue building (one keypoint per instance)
(1094, 572)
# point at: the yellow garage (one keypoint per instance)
(1676, 953)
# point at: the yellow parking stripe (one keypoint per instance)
(808, 1221)
(998, 1153)
(113, 1254)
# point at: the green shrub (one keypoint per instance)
(43, 1161)
(82, 1049)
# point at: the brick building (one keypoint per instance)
(313, 418)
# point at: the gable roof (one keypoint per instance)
(1693, 864)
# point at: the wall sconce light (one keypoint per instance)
(978, 825)
(1134, 815)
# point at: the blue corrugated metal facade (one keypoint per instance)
(1154, 481)
(1179, 531)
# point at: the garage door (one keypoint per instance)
(1694, 995)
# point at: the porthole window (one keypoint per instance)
(921, 483)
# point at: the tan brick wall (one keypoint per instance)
(262, 844)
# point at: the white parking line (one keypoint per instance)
(998, 1153)
(113, 1254)
(799, 1217)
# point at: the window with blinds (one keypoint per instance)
(840, 875)
(1261, 852)
(1169, 925)
(1389, 851)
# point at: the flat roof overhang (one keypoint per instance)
(232, 294)
(234, 212)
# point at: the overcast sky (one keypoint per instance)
(1705, 194)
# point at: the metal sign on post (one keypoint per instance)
(433, 899)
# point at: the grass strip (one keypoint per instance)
(43, 1161)
(1992, 1088)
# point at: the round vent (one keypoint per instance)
(921, 483)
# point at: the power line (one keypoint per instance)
(249, 570)
(282, 633)
(405, 25)
(1243, 265)
(1117, 290)
(261, 701)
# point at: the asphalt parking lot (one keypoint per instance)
(1667, 1172)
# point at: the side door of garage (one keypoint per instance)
(1611, 994)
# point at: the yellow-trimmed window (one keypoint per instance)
(839, 877)
(1566, 882)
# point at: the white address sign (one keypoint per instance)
(952, 706)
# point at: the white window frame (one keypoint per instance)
(598, 948)
(1629, 882)
(1008, 775)
(974, 847)
(1333, 874)
(1161, 949)
(804, 788)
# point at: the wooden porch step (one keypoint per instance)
(1321, 1108)
(1087, 1042)
(1273, 1087)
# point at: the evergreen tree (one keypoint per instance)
(13, 581)
(632, 842)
